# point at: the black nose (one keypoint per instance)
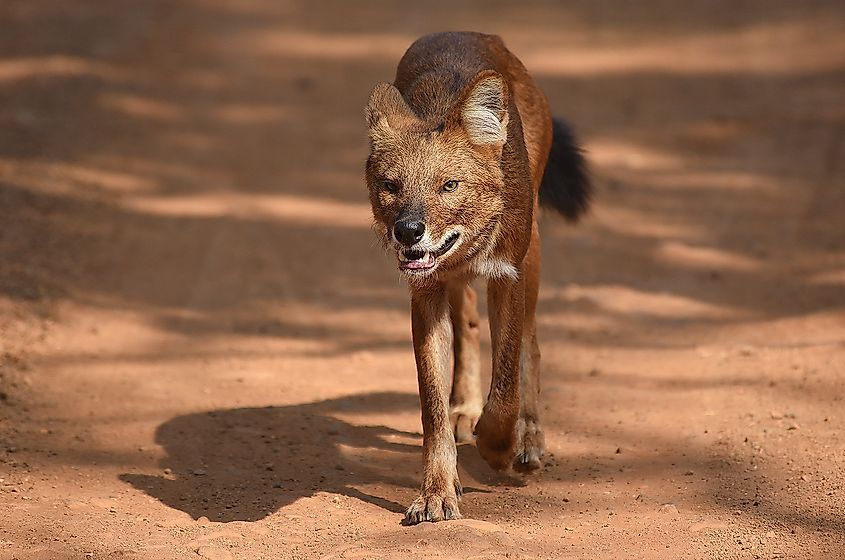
(408, 233)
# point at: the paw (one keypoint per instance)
(463, 420)
(531, 446)
(434, 506)
(496, 441)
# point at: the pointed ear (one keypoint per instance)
(386, 112)
(484, 109)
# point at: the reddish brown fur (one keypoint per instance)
(421, 136)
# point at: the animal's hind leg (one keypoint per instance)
(531, 443)
(465, 403)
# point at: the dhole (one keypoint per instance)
(462, 149)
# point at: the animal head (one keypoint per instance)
(436, 183)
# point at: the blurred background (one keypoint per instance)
(203, 351)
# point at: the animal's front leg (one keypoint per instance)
(432, 331)
(496, 429)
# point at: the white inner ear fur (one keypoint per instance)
(484, 115)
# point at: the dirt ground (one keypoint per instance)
(205, 355)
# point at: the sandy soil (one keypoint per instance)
(204, 355)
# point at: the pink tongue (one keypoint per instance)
(425, 262)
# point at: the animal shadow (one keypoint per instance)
(243, 464)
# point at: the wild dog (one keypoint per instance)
(462, 149)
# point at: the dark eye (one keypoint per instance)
(389, 186)
(450, 186)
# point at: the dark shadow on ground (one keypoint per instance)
(246, 463)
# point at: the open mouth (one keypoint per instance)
(418, 260)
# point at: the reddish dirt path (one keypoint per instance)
(205, 356)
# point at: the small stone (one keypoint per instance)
(198, 472)
(671, 509)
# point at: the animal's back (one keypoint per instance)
(436, 68)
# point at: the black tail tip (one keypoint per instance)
(566, 185)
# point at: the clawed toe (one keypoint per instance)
(432, 508)
(527, 462)
(530, 448)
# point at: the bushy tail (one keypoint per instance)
(566, 185)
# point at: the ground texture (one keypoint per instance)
(204, 354)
